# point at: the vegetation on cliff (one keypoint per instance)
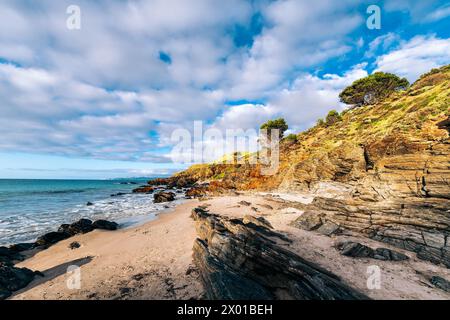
(346, 145)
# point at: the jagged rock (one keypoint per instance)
(243, 261)
(144, 189)
(258, 221)
(244, 203)
(89, 204)
(440, 283)
(163, 197)
(328, 228)
(105, 225)
(13, 279)
(393, 159)
(196, 192)
(308, 221)
(355, 250)
(390, 255)
(358, 250)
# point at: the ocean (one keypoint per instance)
(30, 208)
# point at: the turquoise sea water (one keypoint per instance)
(29, 208)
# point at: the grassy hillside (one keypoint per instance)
(407, 122)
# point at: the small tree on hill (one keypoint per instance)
(279, 124)
(332, 117)
(372, 89)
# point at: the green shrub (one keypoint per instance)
(279, 124)
(332, 117)
(320, 122)
(291, 137)
(372, 89)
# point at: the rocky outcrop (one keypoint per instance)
(240, 259)
(418, 225)
(66, 231)
(163, 197)
(13, 279)
(390, 162)
(358, 250)
(105, 225)
(144, 189)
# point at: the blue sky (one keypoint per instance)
(103, 101)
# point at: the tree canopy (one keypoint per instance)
(372, 89)
(279, 124)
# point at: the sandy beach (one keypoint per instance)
(154, 260)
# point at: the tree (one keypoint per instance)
(279, 124)
(332, 117)
(372, 89)
(291, 137)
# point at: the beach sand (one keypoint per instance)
(154, 260)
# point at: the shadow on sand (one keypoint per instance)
(53, 273)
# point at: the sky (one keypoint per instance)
(104, 101)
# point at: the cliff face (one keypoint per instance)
(390, 163)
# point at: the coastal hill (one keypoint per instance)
(386, 166)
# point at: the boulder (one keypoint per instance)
(89, 204)
(52, 238)
(196, 192)
(163, 197)
(81, 226)
(144, 189)
(355, 250)
(236, 260)
(308, 221)
(13, 279)
(105, 225)
(74, 245)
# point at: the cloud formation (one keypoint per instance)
(138, 70)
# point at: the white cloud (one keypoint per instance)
(415, 57)
(103, 91)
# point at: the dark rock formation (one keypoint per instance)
(81, 226)
(355, 250)
(358, 250)
(163, 197)
(66, 231)
(238, 260)
(118, 194)
(74, 245)
(440, 283)
(196, 192)
(418, 225)
(105, 225)
(51, 238)
(244, 203)
(144, 189)
(20, 247)
(13, 279)
(89, 204)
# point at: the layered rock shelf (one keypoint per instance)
(242, 259)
